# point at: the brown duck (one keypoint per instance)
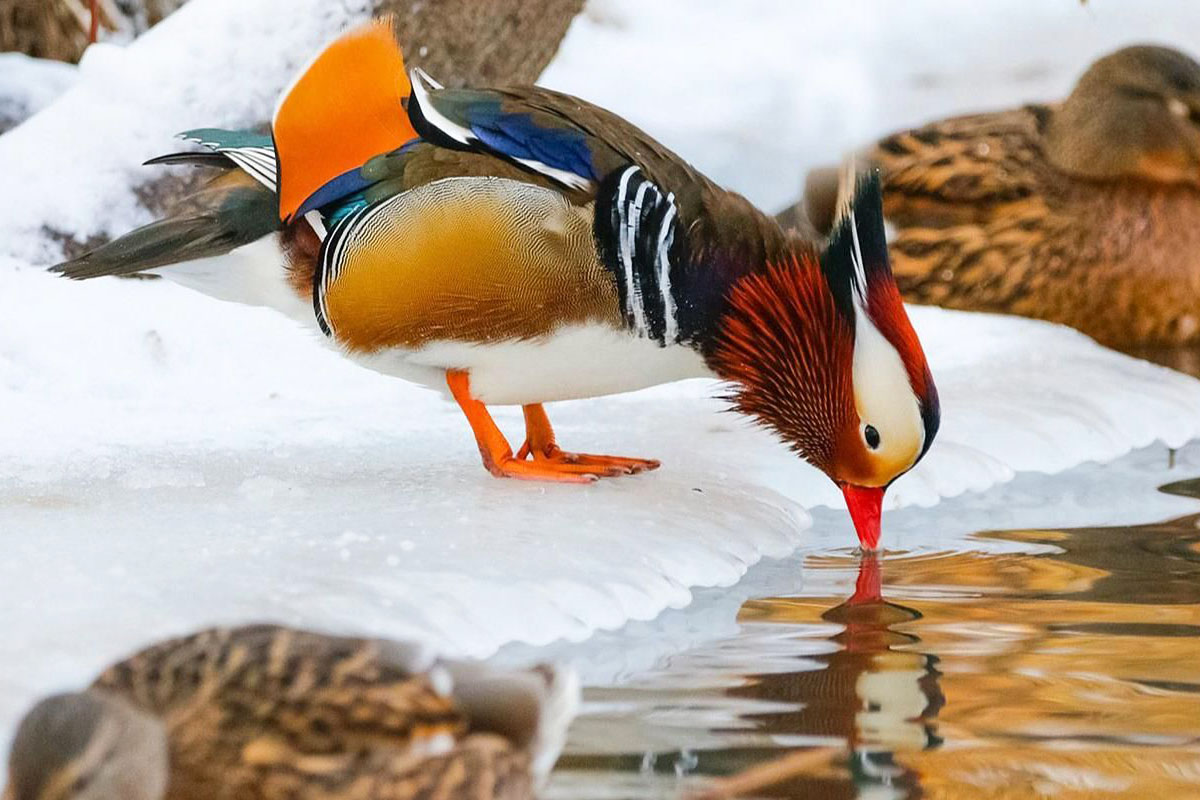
(1085, 213)
(264, 712)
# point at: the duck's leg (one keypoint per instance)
(497, 455)
(539, 442)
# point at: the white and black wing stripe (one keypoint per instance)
(638, 235)
(257, 161)
(329, 266)
(848, 181)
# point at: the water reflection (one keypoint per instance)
(877, 691)
(1069, 668)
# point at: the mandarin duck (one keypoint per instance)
(519, 246)
(271, 713)
(1085, 212)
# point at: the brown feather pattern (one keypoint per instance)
(272, 713)
(985, 222)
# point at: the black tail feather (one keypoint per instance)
(155, 245)
(198, 159)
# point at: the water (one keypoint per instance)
(1028, 662)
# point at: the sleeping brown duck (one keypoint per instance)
(1085, 212)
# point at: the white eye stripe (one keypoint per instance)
(856, 257)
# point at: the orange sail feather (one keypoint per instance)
(345, 108)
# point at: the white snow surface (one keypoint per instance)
(29, 84)
(168, 461)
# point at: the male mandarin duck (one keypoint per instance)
(1085, 213)
(272, 713)
(520, 246)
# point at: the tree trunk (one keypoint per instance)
(481, 42)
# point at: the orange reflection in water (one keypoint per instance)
(1070, 674)
(876, 692)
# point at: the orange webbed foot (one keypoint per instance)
(510, 467)
(540, 445)
(540, 459)
(606, 465)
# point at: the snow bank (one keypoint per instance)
(167, 461)
(29, 84)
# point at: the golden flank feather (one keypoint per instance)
(271, 713)
(1083, 213)
(413, 273)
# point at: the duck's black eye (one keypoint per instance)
(872, 437)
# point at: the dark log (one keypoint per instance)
(43, 29)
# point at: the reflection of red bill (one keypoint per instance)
(866, 505)
(869, 586)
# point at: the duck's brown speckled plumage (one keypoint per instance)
(270, 713)
(1085, 213)
(985, 222)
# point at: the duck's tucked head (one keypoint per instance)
(824, 355)
(87, 746)
(1134, 113)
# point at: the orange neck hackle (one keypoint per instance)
(787, 349)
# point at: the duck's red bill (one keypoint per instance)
(866, 506)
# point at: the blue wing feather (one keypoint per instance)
(477, 119)
(341, 187)
(518, 135)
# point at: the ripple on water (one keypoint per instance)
(1071, 673)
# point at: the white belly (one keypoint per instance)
(573, 363)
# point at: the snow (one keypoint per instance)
(29, 84)
(168, 461)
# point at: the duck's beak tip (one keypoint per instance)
(866, 507)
